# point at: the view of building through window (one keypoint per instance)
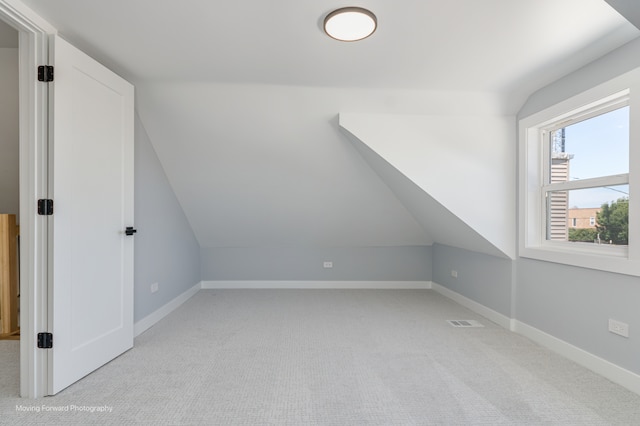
(589, 149)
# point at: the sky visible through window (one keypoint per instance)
(600, 147)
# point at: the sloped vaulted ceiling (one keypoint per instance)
(454, 173)
(257, 165)
(627, 8)
(241, 99)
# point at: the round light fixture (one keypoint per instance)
(350, 24)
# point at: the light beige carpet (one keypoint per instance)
(328, 357)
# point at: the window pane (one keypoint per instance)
(599, 215)
(591, 148)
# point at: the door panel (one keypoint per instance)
(91, 156)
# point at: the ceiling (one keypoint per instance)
(505, 46)
(627, 8)
(240, 98)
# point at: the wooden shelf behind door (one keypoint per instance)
(8, 274)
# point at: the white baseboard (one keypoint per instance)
(476, 307)
(147, 322)
(398, 285)
(611, 371)
(607, 369)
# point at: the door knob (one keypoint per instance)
(130, 230)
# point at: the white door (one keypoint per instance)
(91, 156)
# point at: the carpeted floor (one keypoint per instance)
(326, 357)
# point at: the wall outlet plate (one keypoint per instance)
(619, 328)
(154, 287)
(327, 265)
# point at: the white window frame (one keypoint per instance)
(618, 92)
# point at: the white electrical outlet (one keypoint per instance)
(454, 273)
(618, 327)
(154, 287)
(327, 265)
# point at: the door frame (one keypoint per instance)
(34, 178)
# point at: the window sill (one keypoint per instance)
(616, 262)
(590, 249)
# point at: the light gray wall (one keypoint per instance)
(8, 35)
(574, 304)
(410, 263)
(481, 277)
(9, 132)
(166, 250)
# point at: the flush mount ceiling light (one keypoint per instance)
(350, 24)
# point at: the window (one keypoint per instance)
(586, 165)
(577, 179)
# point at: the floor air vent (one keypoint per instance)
(465, 323)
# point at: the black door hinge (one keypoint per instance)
(45, 73)
(45, 207)
(45, 340)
